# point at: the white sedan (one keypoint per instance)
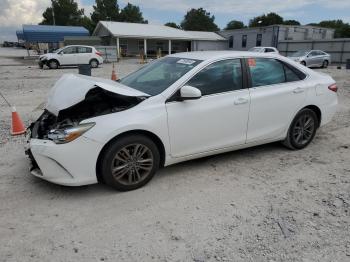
(180, 107)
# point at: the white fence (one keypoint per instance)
(338, 48)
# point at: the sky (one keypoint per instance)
(14, 13)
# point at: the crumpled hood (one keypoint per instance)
(71, 89)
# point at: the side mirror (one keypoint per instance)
(190, 93)
(60, 53)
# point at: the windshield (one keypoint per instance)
(299, 53)
(157, 76)
(255, 49)
(57, 50)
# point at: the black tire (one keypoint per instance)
(325, 64)
(53, 64)
(94, 63)
(302, 129)
(116, 157)
(303, 63)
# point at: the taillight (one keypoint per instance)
(98, 53)
(333, 87)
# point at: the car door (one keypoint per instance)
(68, 56)
(84, 54)
(218, 119)
(277, 93)
(313, 59)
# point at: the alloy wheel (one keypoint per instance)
(303, 129)
(94, 64)
(132, 164)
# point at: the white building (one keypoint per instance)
(134, 38)
(245, 38)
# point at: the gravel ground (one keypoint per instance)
(260, 204)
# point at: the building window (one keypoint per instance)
(258, 39)
(160, 45)
(230, 42)
(244, 40)
(141, 45)
(175, 46)
(123, 44)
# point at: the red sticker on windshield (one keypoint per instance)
(251, 62)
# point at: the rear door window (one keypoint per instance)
(269, 50)
(84, 50)
(268, 71)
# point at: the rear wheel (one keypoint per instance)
(302, 130)
(325, 64)
(53, 64)
(130, 162)
(94, 63)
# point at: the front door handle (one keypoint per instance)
(298, 90)
(241, 101)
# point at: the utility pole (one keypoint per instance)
(53, 13)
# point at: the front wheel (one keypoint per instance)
(302, 129)
(130, 162)
(53, 64)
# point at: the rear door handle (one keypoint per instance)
(298, 90)
(241, 101)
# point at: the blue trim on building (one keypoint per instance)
(20, 35)
(51, 34)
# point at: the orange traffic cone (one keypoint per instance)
(17, 124)
(114, 75)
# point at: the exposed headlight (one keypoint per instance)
(65, 135)
(43, 58)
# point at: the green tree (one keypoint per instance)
(105, 10)
(234, 24)
(265, 20)
(342, 29)
(131, 13)
(291, 22)
(172, 24)
(199, 20)
(66, 13)
(87, 23)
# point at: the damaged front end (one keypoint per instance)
(76, 98)
(96, 103)
(71, 103)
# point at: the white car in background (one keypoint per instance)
(264, 49)
(72, 55)
(180, 107)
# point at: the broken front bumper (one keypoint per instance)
(71, 164)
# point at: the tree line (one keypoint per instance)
(67, 12)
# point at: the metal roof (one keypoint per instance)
(51, 34)
(201, 35)
(150, 31)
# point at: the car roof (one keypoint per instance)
(265, 47)
(209, 55)
(79, 45)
